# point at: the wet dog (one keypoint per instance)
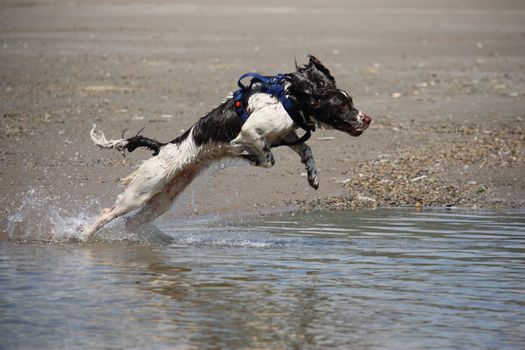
(316, 101)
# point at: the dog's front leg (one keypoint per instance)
(307, 158)
(253, 142)
(269, 122)
(266, 160)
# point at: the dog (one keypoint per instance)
(246, 125)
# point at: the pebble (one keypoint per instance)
(327, 138)
(419, 178)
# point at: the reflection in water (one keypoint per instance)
(374, 279)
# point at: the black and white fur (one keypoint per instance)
(220, 134)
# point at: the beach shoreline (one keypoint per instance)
(443, 82)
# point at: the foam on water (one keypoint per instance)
(144, 234)
(225, 240)
(215, 235)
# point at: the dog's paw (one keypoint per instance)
(254, 160)
(82, 233)
(269, 160)
(313, 180)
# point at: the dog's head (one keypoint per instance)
(330, 107)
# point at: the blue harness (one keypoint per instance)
(272, 85)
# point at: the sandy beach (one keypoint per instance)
(444, 82)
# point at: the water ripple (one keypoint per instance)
(394, 279)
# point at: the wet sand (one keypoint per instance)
(441, 80)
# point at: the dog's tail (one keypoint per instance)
(99, 139)
(129, 144)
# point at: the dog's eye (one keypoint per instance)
(344, 107)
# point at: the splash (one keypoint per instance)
(61, 219)
(44, 217)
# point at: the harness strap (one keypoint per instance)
(269, 81)
(272, 85)
(300, 140)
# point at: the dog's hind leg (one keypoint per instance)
(154, 208)
(161, 202)
(141, 187)
(106, 216)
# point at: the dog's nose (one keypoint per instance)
(366, 119)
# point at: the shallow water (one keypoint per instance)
(381, 279)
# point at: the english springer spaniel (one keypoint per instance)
(247, 124)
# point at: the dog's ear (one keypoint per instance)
(320, 67)
(312, 81)
(302, 84)
(304, 88)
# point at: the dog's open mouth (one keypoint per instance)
(361, 127)
(356, 132)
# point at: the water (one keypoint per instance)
(381, 279)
